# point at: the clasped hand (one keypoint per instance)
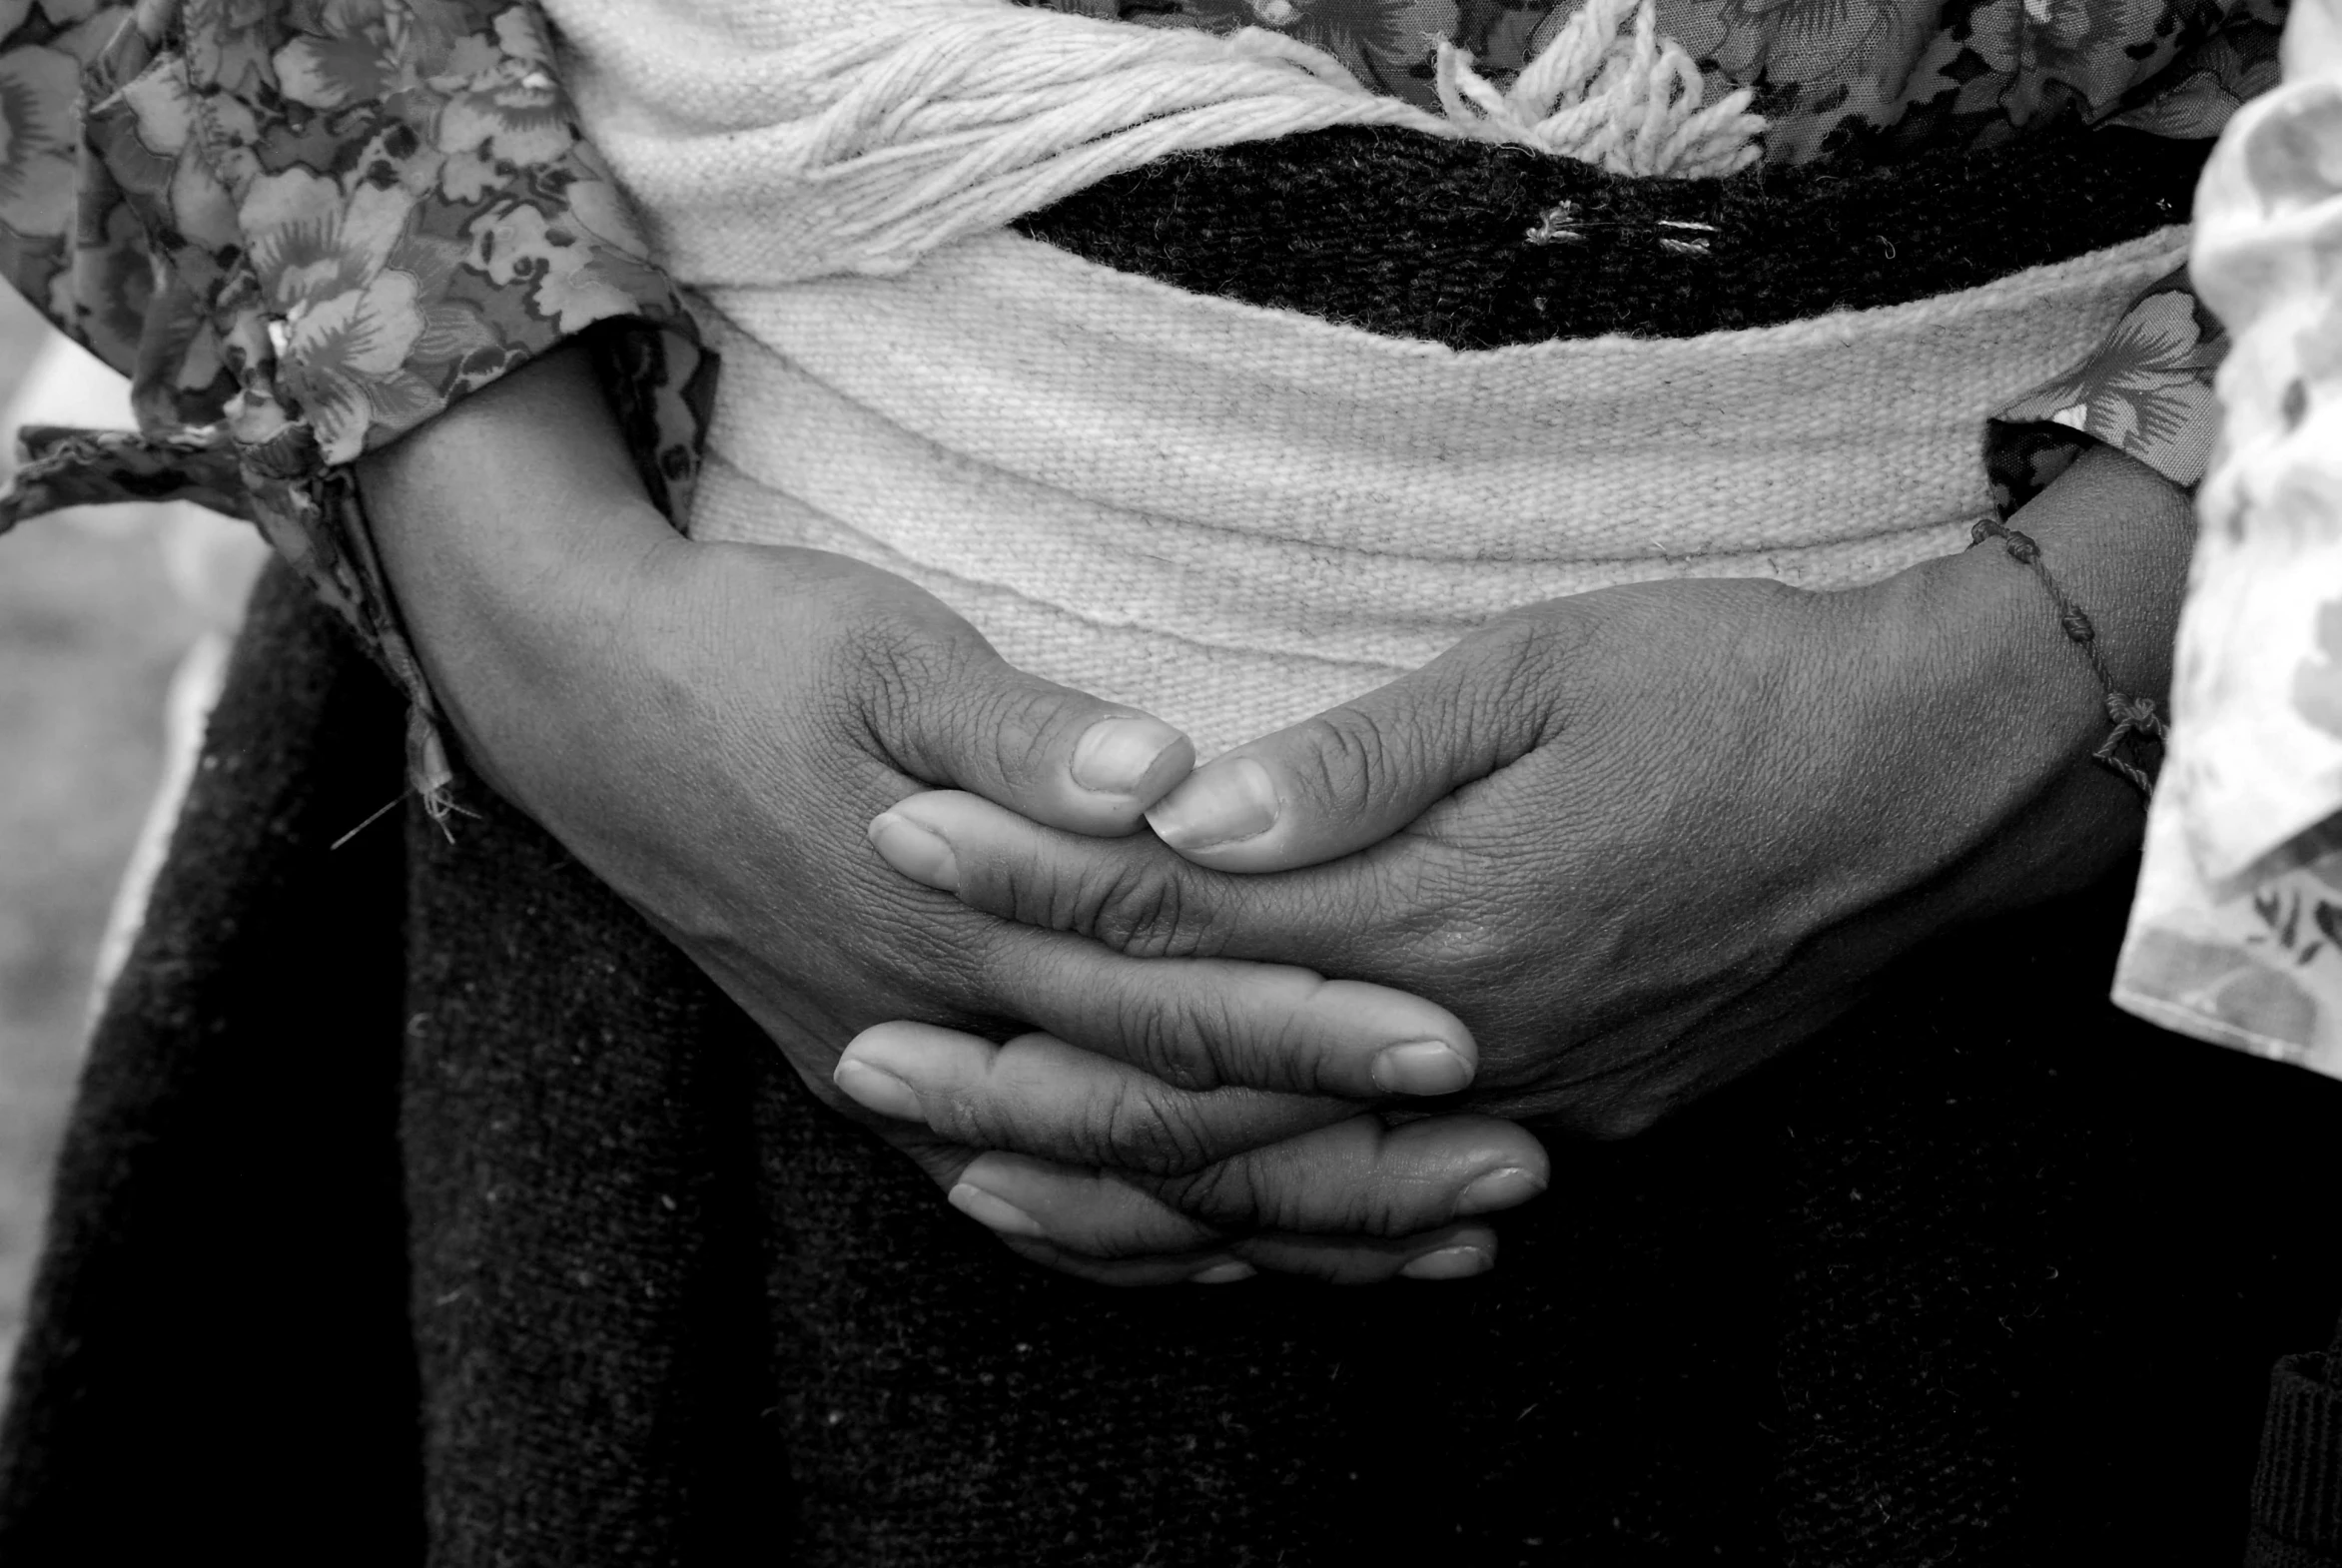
(1637, 841)
(1616, 835)
(1601, 856)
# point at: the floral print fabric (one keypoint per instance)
(2237, 932)
(301, 228)
(304, 227)
(1866, 76)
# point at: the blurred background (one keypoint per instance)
(113, 622)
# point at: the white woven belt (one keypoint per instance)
(1233, 517)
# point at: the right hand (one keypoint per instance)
(709, 728)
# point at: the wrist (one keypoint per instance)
(2116, 539)
(2002, 710)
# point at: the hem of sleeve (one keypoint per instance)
(2180, 1020)
(660, 381)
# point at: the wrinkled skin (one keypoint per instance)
(1638, 839)
(709, 728)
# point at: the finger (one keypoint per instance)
(1101, 1228)
(1453, 1253)
(1076, 1208)
(1038, 1096)
(1352, 1174)
(1450, 1252)
(1077, 1217)
(1216, 1267)
(1196, 1023)
(1362, 1179)
(1188, 1253)
(949, 710)
(1355, 774)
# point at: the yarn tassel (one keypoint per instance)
(1626, 100)
(862, 140)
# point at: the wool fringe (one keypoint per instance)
(1628, 101)
(946, 133)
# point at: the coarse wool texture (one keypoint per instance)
(1234, 518)
(1448, 241)
(423, 1206)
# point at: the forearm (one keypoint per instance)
(518, 496)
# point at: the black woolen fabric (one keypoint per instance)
(1410, 237)
(1988, 1273)
(217, 1348)
(579, 1182)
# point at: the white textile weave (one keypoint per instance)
(1234, 517)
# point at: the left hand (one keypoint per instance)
(1638, 839)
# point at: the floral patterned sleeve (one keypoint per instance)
(301, 228)
(2148, 389)
(2237, 934)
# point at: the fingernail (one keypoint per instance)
(1448, 1262)
(873, 1090)
(1227, 1273)
(1421, 1066)
(1113, 756)
(1499, 1189)
(1221, 803)
(996, 1214)
(915, 850)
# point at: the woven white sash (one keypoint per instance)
(1234, 517)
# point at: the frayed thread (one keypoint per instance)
(923, 123)
(1610, 90)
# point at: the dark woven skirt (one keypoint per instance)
(422, 1204)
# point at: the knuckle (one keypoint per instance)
(1219, 1195)
(1020, 722)
(1181, 1041)
(1354, 752)
(1363, 1200)
(1452, 928)
(882, 668)
(1149, 1129)
(967, 1120)
(890, 674)
(1518, 662)
(1144, 910)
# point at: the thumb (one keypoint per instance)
(1051, 754)
(1355, 774)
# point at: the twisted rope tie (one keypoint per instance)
(2131, 716)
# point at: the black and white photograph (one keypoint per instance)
(1170, 783)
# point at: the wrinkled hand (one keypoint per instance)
(708, 728)
(1639, 840)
